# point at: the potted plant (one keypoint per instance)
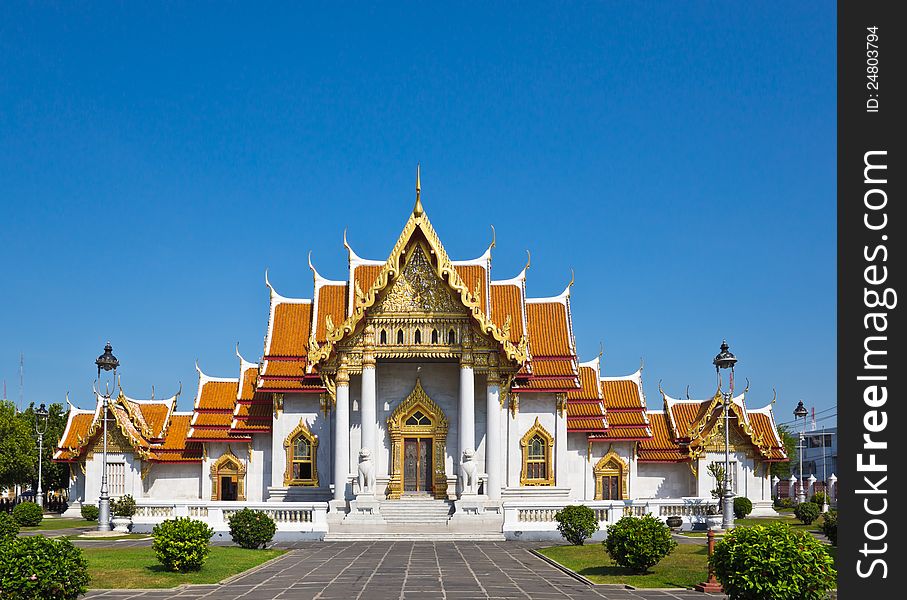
(123, 509)
(712, 517)
(674, 521)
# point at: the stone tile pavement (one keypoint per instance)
(385, 570)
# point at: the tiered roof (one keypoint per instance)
(626, 405)
(153, 428)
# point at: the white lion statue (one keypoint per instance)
(366, 472)
(469, 472)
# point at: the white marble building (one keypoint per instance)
(417, 378)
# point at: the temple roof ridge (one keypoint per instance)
(277, 298)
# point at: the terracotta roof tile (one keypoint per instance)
(212, 419)
(588, 379)
(660, 447)
(553, 368)
(586, 424)
(626, 418)
(364, 276)
(475, 276)
(154, 415)
(218, 394)
(585, 409)
(549, 332)
(78, 430)
(507, 300)
(290, 329)
(761, 424)
(248, 383)
(176, 433)
(284, 368)
(283, 385)
(621, 393)
(331, 301)
(625, 434)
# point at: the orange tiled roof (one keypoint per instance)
(215, 435)
(588, 379)
(586, 424)
(762, 425)
(176, 432)
(549, 332)
(626, 418)
(77, 431)
(249, 377)
(212, 419)
(331, 301)
(218, 395)
(549, 384)
(507, 300)
(660, 447)
(284, 368)
(474, 276)
(283, 385)
(554, 368)
(621, 393)
(364, 276)
(686, 414)
(290, 329)
(585, 409)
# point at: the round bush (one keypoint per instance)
(784, 502)
(123, 507)
(41, 568)
(773, 561)
(807, 512)
(742, 507)
(638, 543)
(251, 528)
(28, 514)
(90, 512)
(819, 498)
(8, 527)
(830, 526)
(181, 544)
(576, 523)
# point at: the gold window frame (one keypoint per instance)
(228, 464)
(301, 430)
(548, 440)
(611, 464)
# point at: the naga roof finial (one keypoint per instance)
(417, 209)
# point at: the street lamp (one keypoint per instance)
(40, 428)
(106, 362)
(726, 360)
(800, 411)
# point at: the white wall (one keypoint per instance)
(93, 472)
(663, 480)
(296, 407)
(171, 481)
(532, 406)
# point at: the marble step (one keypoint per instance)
(432, 536)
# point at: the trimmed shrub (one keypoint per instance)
(742, 507)
(28, 514)
(784, 502)
(37, 567)
(830, 526)
(819, 498)
(251, 528)
(123, 507)
(637, 543)
(807, 512)
(773, 561)
(8, 527)
(90, 512)
(181, 544)
(576, 523)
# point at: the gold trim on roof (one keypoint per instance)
(444, 268)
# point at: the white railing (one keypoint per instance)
(539, 516)
(288, 516)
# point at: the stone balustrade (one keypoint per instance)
(536, 520)
(298, 520)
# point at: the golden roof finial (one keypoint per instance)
(417, 210)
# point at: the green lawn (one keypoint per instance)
(683, 568)
(794, 523)
(55, 523)
(138, 567)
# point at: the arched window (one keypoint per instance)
(383, 338)
(302, 456)
(399, 336)
(610, 477)
(538, 447)
(434, 336)
(417, 337)
(451, 336)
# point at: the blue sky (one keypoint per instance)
(680, 157)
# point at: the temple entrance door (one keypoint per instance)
(417, 465)
(228, 487)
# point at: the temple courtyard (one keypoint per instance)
(383, 570)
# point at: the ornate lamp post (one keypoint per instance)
(799, 412)
(726, 360)
(40, 428)
(106, 362)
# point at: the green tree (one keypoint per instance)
(781, 470)
(17, 448)
(54, 476)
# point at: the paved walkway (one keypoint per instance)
(382, 570)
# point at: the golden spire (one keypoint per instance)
(417, 210)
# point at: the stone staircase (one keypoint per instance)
(416, 511)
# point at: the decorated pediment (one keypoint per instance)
(418, 290)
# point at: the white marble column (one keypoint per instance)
(369, 396)
(560, 442)
(493, 455)
(342, 432)
(467, 417)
